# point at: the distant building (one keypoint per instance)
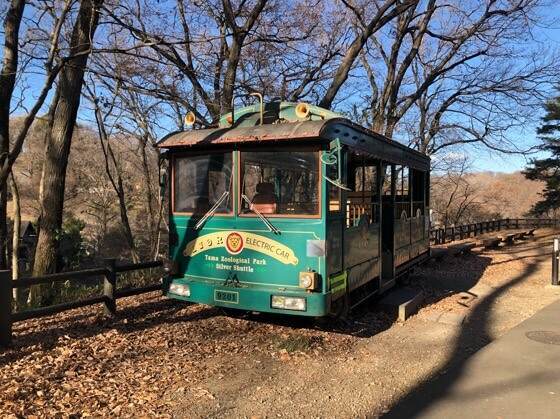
(27, 242)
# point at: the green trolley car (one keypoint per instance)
(290, 208)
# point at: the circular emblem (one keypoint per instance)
(234, 243)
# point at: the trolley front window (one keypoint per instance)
(282, 182)
(201, 181)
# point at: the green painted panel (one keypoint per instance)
(361, 243)
(334, 245)
(243, 249)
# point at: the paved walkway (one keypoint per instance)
(516, 376)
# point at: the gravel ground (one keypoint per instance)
(163, 358)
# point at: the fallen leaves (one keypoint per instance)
(141, 362)
(157, 354)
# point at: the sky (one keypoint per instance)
(497, 162)
(485, 160)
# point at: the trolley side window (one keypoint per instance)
(334, 191)
(284, 182)
(202, 181)
(386, 173)
(362, 200)
(402, 197)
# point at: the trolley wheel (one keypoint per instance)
(234, 312)
(340, 308)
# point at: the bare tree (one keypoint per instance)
(385, 11)
(15, 234)
(453, 197)
(131, 116)
(458, 73)
(7, 82)
(209, 63)
(114, 173)
(51, 64)
(64, 112)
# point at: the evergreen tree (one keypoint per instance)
(548, 169)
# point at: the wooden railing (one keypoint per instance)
(449, 234)
(109, 298)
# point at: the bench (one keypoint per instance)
(508, 239)
(492, 242)
(520, 236)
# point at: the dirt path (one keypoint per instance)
(162, 358)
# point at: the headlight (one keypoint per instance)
(180, 289)
(308, 280)
(288, 303)
(305, 281)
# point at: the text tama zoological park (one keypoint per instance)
(234, 242)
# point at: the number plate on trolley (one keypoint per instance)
(231, 297)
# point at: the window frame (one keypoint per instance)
(329, 186)
(365, 162)
(240, 166)
(176, 156)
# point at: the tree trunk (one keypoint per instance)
(127, 230)
(15, 235)
(59, 137)
(3, 227)
(385, 13)
(7, 81)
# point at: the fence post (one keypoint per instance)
(5, 308)
(109, 287)
(555, 261)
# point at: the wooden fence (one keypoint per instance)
(109, 298)
(449, 234)
(111, 270)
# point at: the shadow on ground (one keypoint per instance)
(473, 335)
(461, 274)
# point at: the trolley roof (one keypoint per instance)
(309, 131)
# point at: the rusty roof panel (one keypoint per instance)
(268, 132)
(349, 133)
